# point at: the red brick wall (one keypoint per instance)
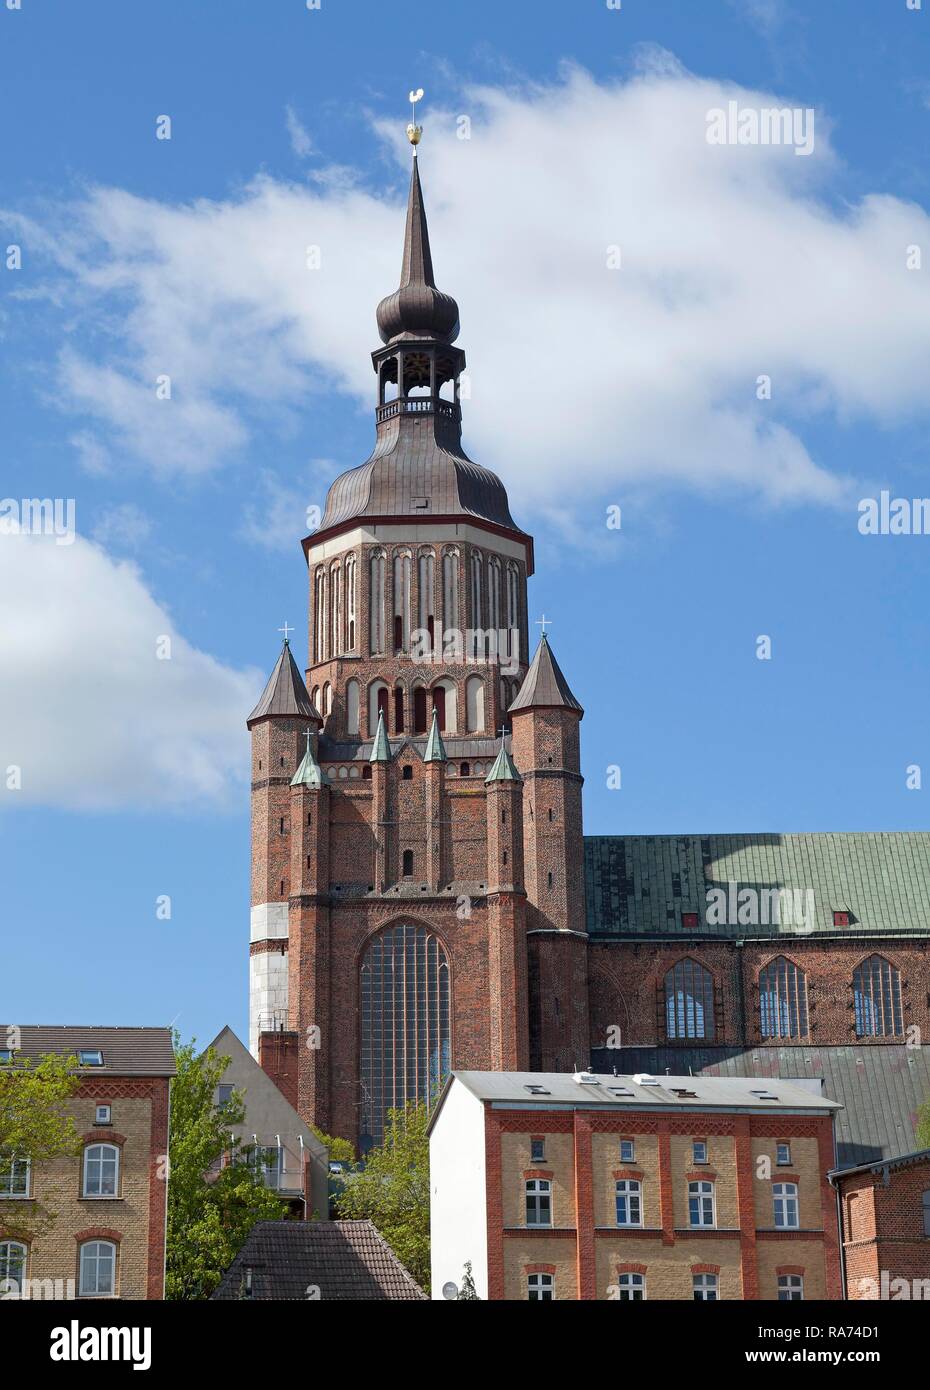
(883, 1235)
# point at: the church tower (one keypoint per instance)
(403, 841)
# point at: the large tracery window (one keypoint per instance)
(877, 999)
(689, 1001)
(783, 1000)
(406, 1048)
(426, 610)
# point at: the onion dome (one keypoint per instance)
(417, 309)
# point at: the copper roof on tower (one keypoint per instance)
(418, 467)
(544, 684)
(285, 693)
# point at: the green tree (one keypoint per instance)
(211, 1209)
(35, 1125)
(337, 1150)
(392, 1190)
(923, 1126)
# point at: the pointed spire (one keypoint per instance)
(544, 686)
(503, 769)
(435, 748)
(285, 694)
(309, 774)
(381, 748)
(417, 309)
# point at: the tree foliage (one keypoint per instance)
(392, 1190)
(35, 1125)
(923, 1126)
(337, 1150)
(211, 1209)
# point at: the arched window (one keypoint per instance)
(350, 604)
(408, 860)
(689, 1001)
(376, 603)
(402, 601)
(631, 1288)
(398, 709)
(877, 999)
(98, 1268)
(101, 1170)
(419, 710)
(790, 1288)
(352, 707)
(406, 1039)
(425, 596)
(335, 609)
(783, 1000)
(319, 614)
(512, 611)
(444, 705)
(474, 704)
(327, 709)
(494, 594)
(450, 590)
(377, 703)
(476, 563)
(12, 1266)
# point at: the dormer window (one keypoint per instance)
(89, 1057)
(841, 919)
(689, 921)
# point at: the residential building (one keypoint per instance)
(110, 1201)
(885, 1216)
(584, 1186)
(317, 1261)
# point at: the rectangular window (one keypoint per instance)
(701, 1204)
(785, 1196)
(629, 1203)
(699, 1151)
(783, 1154)
(704, 1287)
(627, 1151)
(631, 1288)
(102, 1115)
(538, 1202)
(537, 1150)
(539, 1288)
(14, 1178)
(790, 1288)
(224, 1093)
(90, 1057)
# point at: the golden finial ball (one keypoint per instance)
(414, 133)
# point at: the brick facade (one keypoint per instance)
(885, 1214)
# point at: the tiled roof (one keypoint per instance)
(126, 1051)
(544, 684)
(346, 1261)
(605, 1090)
(285, 693)
(879, 1086)
(639, 885)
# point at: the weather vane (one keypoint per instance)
(414, 131)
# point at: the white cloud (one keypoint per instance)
(122, 527)
(90, 715)
(301, 143)
(736, 262)
(276, 514)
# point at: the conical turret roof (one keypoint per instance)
(381, 748)
(309, 773)
(435, 748)
(417, 309)
(285, 693)
(544, 686)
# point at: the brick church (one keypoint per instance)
(423, 895)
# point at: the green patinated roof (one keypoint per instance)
(381, 748)
(504, 768)
(639, 885)
(309, 773)
(435, 748)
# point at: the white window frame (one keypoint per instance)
(540, 1288)
(7, 1279)
(705, 1288)
(99, 1161)
(538, 1150)
(787, 1206)
(702, 1192)
(537, 1189)
(9, 1173)
(627, 1151)
(628, 1286)
(630, 1192)
(790, 1288)
(783, 1147)
(98, 1247)
(699, 1144)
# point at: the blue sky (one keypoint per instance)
(591, 388)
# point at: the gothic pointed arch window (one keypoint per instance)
(426, 610)
(335, 608)
(782, 1000)
(877, 999)
(376, 603)
(476, 564)
(494, 593)
(512, 611)
(319, 614)
(406, 1030)
(352, 707)
(402, 564)
(474, 704)
(689, 1001)
(450, 588)
(350, 603)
